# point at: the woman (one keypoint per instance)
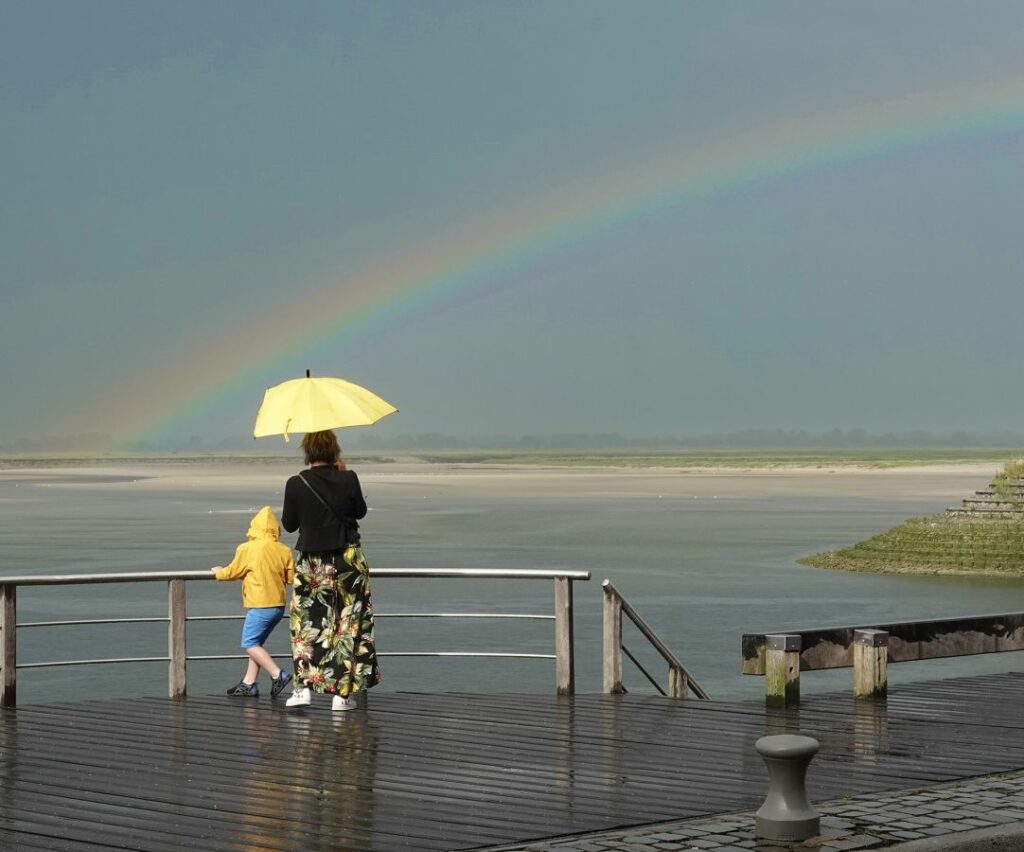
(331, 612)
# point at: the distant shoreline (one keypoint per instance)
(754, 460)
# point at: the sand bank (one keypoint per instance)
(945, 483)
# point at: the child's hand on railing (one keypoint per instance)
(216, 568)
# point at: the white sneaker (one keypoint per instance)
(299, 698)
(341, 703)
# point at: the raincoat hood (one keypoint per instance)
(264, 525)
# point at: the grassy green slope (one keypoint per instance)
(981, 544)
(941, 544)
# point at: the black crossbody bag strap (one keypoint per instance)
(316, 494)
(345, 526)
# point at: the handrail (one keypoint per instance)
(614, 605)
(144, 576)
(177, 620)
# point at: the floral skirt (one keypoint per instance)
(332, 623)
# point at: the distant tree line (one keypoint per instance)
(367, 441)
(745, 439)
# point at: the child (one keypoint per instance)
(264, 566)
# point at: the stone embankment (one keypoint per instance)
(982, 536)
(1007, 503)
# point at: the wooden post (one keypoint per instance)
(176, 676)
(8, 645)
(565, 673)
(870, 663)
(782, 669)
(611, 631)
(676, 683)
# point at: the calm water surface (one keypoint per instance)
(704, 557)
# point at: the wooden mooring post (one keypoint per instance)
(782, 669)
(870, 663)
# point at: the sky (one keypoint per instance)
(644, 218)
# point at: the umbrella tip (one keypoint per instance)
(307, 374)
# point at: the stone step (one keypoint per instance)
(993, 505)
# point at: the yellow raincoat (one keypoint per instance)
(263, 564)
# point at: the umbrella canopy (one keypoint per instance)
(316, 404)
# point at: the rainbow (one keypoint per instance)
(377, 295)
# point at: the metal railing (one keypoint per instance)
(679, 679)
(177, 620)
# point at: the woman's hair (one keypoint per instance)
(321, 447)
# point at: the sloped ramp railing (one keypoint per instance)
(679, 679)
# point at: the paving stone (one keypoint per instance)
(858, 813)
(951, 827)
(932, 830)
(918, 811)
(918, 820)
(864, 841)
(953, 813)
(932, 808)
(850, 843)
(997, 817)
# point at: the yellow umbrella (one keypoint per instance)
(317, 404)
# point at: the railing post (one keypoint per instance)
(870, 663)
(611, 630)
(565, 672)
(782, 668)
(8, 644)
(676, 683)
(176, 677)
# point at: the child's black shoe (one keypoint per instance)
(245, 690)
(278, 684)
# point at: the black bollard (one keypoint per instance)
(786, 813)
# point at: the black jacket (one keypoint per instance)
(320, 530)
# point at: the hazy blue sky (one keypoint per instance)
(170, 169)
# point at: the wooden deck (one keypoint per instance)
(457, 771)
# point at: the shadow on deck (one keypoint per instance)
(452, 771)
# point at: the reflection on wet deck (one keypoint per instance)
(452, 771)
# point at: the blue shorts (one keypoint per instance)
(259, 623)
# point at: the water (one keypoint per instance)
(703, 557)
